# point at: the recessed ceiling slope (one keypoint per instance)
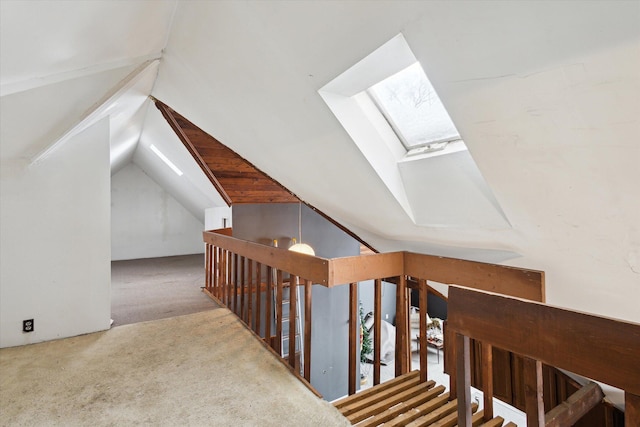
(237, 180)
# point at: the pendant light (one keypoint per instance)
(302, 248)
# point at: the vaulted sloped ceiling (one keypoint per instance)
(545, 94)
(235, 178)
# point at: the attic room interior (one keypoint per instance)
(235, 129)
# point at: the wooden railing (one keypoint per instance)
(602, 349)
(236, 270)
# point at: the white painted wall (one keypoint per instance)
(215, 218)
(54, 252)
(146, 221)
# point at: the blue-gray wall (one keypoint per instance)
(329, 356)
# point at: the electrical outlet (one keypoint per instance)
(27, 325)
(386, 316)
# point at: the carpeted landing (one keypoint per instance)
(202, 369)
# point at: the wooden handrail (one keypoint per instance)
(240, 273)
(518, 282)
(603, 349)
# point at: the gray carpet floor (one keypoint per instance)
(157, 288)
(202, 369)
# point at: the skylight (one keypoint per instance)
(413, 109)
(166, 160)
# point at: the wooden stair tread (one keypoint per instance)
(431, 399)
(375, 389)
(448, 417)
(380, 396)
(405, 401)
(496, 422)
(435, 409)
(388, 402)
(510, 424)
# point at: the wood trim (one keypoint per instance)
(502, 279)
(575, 407)
(578, 342)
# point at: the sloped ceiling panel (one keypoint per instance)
(237, 180)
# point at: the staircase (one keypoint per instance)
(405, 401)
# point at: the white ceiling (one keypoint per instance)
(545, 94)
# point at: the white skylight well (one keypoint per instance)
(412, 107)
(165, 159)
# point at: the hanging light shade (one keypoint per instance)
(302, 248)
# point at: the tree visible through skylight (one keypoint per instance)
(413, 108)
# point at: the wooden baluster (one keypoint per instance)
(534, 405)
(216, 260)
(235, 283)
(293, 295)
(279, 289)
(463, 380)
(401, 327)
(268, 307)
(225, 283)
(377, 328)
(487, 379)
(307, 329)
(243, 286)
(258, 296)
(422, 341)
(230, 278)
(207, 267)
(354, 336)
(249, 319)
(212, 268)
(450, 358)
(223, 275)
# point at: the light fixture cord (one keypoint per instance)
(300, 221)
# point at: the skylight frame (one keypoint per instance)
(439, 109)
